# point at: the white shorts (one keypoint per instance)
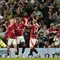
(12, 41)
(20, 39)
(32, 42)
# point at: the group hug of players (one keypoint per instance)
(15, 36)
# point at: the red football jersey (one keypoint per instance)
(19, 29)
(11, 32)
(52, 30)
(33, 32)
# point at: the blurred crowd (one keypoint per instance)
(46, 12)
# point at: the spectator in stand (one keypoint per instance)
(47, 3)
(3, 32)
(37, 12)
(42, 1)
(57, 39)
(54, 17)
(7, 13)
(52, 28)
(52, 33)
(58, 19)
(43, 40)
(58, 26)
(2, 28)
(45, 31)
(1, 18)
(56, 4)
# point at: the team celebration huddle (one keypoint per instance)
(27, 27)
(15, 36)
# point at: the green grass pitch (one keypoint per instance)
(29, 58)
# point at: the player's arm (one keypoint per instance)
(8, 34)
(28, 25)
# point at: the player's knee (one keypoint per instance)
(32, 47)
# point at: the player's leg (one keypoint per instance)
(23, 48)
(15, 47)
(8, 50)
(31, 52)
(8, 47)
(32, 47)
(35, 44)
(35, 50)
(18, 42)
(23, 45)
